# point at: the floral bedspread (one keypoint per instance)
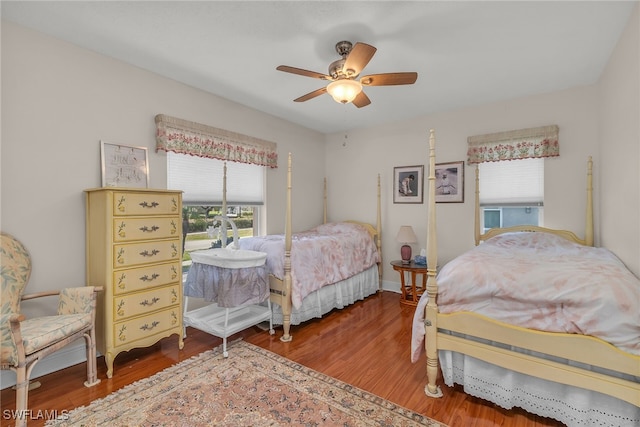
(323, 255)
(544, 282)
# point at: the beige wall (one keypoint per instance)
(619, 141)
(59, 101)
(379, 150)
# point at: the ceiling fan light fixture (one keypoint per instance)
(344, 90)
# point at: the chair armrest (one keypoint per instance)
(40, 295)
(78, 300)
(11, 345)
(11, 318)
(17, 318)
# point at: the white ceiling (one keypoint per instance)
(465, 52)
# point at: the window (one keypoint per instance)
(201, 180)
(511, 166)
(196, 156)
(511, 193)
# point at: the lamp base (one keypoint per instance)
(405, 253)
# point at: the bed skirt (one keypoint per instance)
(570, 405)
(337, 295)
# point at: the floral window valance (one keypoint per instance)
(517, 144)
(182, 136)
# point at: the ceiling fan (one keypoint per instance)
(343, 74)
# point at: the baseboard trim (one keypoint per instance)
(391, 286)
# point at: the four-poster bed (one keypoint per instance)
(590, 375)
(195, 139)
(319, 287)
(310, 273)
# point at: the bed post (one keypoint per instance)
(286, 309)
(477, 207)
(324, 205)
(379, 238)
(431, 311)
(588, 234)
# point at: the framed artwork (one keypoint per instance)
(124, 166)
(408, 184)
(449, 182)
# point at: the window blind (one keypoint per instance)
(516, 182)
(200, 179)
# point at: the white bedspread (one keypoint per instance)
(323, 255)
(544, 282)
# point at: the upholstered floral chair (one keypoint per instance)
(23, 342)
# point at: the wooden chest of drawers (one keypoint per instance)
(134, 250)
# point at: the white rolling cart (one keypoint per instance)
(238, 296)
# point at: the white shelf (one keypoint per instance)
(223, 322)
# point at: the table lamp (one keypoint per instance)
(406, 236)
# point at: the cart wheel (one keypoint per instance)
(225, 354)
(272, 331)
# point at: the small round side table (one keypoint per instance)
(411, 292)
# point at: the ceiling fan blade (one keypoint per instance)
(311, 95)
(362, 100)
(389, 79)
(301, 72)
(358, 58)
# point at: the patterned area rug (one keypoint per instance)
(252, 387)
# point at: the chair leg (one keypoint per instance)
(92, 377)
(22, 396)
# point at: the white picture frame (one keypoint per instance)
(124, 165)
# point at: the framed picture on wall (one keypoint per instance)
(449, 182)
(408, 184)
(124, 166)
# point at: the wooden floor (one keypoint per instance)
(366, 344)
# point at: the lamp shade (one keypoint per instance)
(344, 90)
(406, 235)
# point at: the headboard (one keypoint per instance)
(587, 241)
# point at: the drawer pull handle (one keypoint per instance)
(146, 229)
(146, 327)
(146, 278)
(152, 253)
(146, 302)
(149, 205)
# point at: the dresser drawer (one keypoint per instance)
(145, 302)
(145, 326)
(130, 229)
(125, 255)
(136, 279)
(126, 203)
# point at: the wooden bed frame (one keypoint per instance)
(281, 289)
(581, 348)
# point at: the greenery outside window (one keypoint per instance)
(201, 180)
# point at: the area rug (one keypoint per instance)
(252, 387)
